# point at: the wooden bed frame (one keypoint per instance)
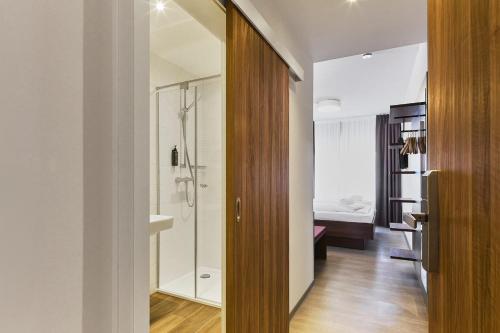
(352, 235)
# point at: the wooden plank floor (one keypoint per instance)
(172, 314)
(363, 292)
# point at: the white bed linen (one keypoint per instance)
(344, 217)
(350, 209)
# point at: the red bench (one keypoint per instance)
(319, 242)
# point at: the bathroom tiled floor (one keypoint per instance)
(172, 314)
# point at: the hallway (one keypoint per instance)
(363, 291)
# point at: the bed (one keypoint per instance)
(348, 222)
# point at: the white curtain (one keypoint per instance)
(345, 159)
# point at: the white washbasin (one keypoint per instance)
(159, 223)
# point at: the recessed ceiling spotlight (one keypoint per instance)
(367, 55)
(160, 6)
(352, 1)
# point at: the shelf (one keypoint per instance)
(407, 172)
(403, 113)
(402, 254)
(413, 130)
(412, 116)
(408, 104)
(404, 172)
(401, 227)
(412, 219)
(404, 200)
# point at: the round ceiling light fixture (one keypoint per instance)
(367, 55)
(329, 105)
(326, 109)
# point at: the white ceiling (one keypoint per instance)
(337, 28)
(369, 87)
(181, 40)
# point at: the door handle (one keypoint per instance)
(238, 210)
(430, 229)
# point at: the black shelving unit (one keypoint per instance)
(401, 115)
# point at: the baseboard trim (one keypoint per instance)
(301, 300)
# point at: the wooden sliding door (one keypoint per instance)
(257, 182)
(464, 142)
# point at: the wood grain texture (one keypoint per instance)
(257, 172)
(464, 144)
(356, 230)
(172, 314)
(494, 172)
(352, 235)
(363, 291)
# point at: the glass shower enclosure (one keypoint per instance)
(189, 254)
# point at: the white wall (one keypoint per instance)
(301, 189)
(98, 168)
(58, 242)
(41, 163)
(301, 156)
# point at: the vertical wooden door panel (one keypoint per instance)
(494, 255)
(257, 172)
(243, 238)
(464, 144)
(266, 200)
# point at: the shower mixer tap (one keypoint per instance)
(183, 180)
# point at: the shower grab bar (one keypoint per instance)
(183, 165)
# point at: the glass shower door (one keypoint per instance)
(177, 245)
(190, 253)
(209, 191)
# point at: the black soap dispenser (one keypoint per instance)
(175, 156)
